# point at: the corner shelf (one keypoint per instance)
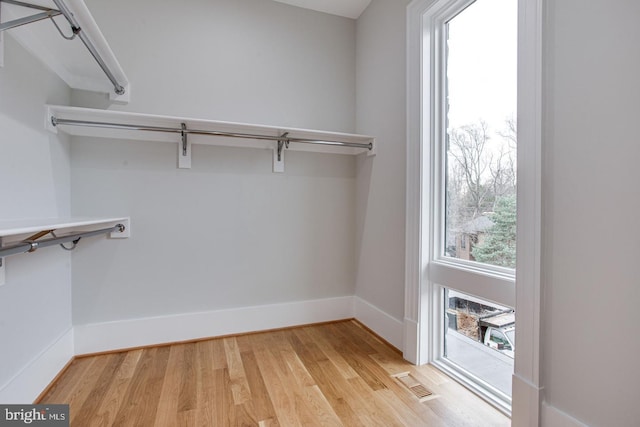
(148, 127)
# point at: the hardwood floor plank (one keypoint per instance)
(298, 371)
(260, 400)
(392, 365)
(320, 339)
(187, 399)
(141, 402)
(380, 346)
(115, 395)
(335, 388)
(243, 416)
(86, 414)
(320, 407)
(219, 354)
(61, 390)
(283, 405)
(359, 364)
(295, 396)
(205, 394)
(375, 408)
(239, 384)
(186, 418)
(336, 374)
(86, 385)
(224, 412)
(167, 413)
(406, 413)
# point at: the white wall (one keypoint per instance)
(252, 61)
(591, 200)
(35, 302)
(227, 233)
(381, 112)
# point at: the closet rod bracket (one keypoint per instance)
(278, 153)
(183, 134)
(282, 142)
(184, 148)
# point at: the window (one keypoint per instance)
(479, 134)
(428, 270)
(473, 140)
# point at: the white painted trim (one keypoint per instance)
(27, 384)
(99, 337)
(553, 417)
(526, 404)
(528, 290)
(525, 410)
(414, 233)
(411, 339)
(388, 327)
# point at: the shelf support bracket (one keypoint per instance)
(2, 269)
(184, 149)
(278, 153)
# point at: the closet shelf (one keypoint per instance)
(187, 131)
(16, 230)
(28, 235)
(84, 62)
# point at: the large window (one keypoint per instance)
(473, 140)
(440, 276)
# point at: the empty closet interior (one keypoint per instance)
(175, 171)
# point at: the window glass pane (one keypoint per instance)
(480, 154)
(480, 338)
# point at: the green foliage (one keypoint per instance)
(499, 245)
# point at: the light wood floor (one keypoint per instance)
(336, 374)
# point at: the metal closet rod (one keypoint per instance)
(75, 27)
(117, 87)
(57, 121)
(32, 245)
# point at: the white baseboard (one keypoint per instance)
(388, 327)
(553, 417)
(27, 384)
(100, 337)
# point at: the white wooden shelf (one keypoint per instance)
(366, 144)
(16, 230)
(69, 59)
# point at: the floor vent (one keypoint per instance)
(415, 386)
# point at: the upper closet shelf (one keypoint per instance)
(187, 131)
(64, 35)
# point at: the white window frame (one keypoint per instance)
(423, 307)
